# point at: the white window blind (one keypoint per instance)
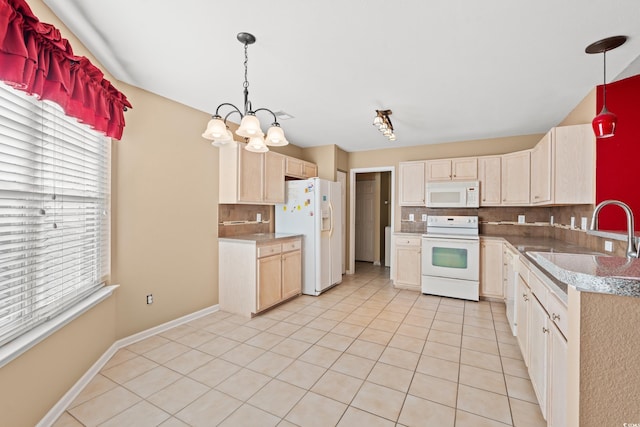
(54, 212)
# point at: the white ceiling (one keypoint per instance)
(450, 70)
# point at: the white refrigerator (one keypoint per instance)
(313, 209)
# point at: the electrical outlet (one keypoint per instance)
(608, 246)
(259, 217)
(573, 222)
(551, 220)
(520, 219)
(150, 299)
(424, 217)
(583, 223)
(412, 217)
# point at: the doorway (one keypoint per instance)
(371, 203)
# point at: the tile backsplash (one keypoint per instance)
(236, 220)
(504, 221)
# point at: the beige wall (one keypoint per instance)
(584, 112)
(325, 158)
(34, 382)
(166, 221)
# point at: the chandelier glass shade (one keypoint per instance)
(383, 123)
(604, 124)
(218, 132)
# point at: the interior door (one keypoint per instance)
(365, 220)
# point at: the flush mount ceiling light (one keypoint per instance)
(250, 129)
(383, 123)
(604, 124)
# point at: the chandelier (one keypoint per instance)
(383, 122)
(218, 132)
(604, 124)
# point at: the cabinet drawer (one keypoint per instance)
(266, 250)
(292, 245)
(408, 241)
(559, 314)
(539, 290)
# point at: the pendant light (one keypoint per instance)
(604, 124)
(218, 132)
(383, 123)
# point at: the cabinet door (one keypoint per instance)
(538, 344)
(557, 379)
(464, 169)
(310, 170)
(411, 183)
(291, 274)
(489, 169)
(522, 317)
(269, 281)
(274, 164)
(542, 171)
(491, 284)
(251, 175)
(294, 167)
(408, 266)
(515, 178)
(575, 160)
(439, 170)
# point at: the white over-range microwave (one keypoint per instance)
(453, 194)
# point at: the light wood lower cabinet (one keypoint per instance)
(255, 276)
(491, 285)
(406, 262)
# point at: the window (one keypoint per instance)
(54, 212)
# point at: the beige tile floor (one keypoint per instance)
(362, 354)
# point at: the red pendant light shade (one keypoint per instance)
(604, 124)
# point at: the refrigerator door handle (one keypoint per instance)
(331, 219)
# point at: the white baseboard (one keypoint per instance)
(58, 409)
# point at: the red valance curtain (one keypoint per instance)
(35, 58)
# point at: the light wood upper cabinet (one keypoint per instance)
(515, 178)
(257, 178)
(542, 171)
(563, 167)
(274, 165)
(489, 170)
(301, 169)
(491, 284)
(411, 183)
(460, 169)
(574, 164)
(309, 170)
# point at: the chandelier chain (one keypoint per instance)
(246, 62)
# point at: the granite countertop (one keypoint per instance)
(588, 271)
(259, 237)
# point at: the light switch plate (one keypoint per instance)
(412, 217)
(573, 222)
(608, 246)
(424, 217)
(583, 223)
(520, 219)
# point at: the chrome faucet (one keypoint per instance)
(632, 252)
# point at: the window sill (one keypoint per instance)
(15, 348)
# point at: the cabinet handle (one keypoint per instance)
(536, 197)
(544, 330)
(504, 200)
(555, 316)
